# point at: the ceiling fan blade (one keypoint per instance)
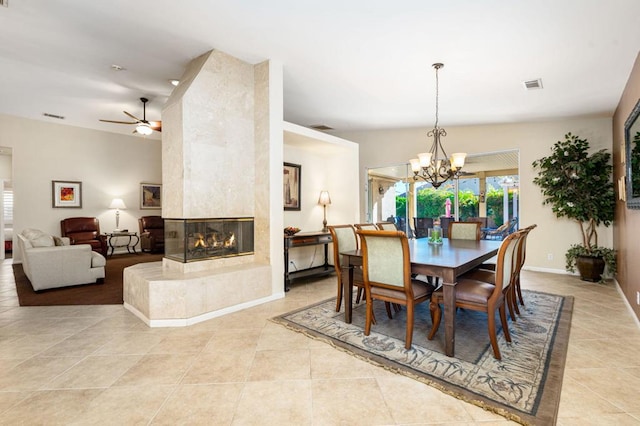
(119, 122)
(156, 125)
(132, 116)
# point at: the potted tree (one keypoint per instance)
(578, 185)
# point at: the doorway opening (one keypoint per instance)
(487, 190)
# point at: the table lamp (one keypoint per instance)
(323, 200)
(117, 204)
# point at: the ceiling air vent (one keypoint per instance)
(46, 114)
(321, 127)
(533, 84)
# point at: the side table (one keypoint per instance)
(306, 239)
(122, 239)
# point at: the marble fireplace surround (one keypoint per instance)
(220, 113)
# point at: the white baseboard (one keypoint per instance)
(626, 302)
(185, 322)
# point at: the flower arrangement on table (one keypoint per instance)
(435, 235)
(291, 230)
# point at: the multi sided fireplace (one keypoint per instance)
(188, 240)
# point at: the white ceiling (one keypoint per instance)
(350, 65)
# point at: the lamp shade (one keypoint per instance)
(324, 198)
(117, 203)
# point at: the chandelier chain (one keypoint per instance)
(437, 67)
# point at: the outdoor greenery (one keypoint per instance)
(431, 203)
(578, 186)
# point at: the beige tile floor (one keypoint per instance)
(100, 365)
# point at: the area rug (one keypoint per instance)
(107, 293)
(525, 386)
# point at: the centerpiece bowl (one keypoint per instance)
(290, 231)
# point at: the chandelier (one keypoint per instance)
(434, 166)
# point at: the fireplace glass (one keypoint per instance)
(188, 240)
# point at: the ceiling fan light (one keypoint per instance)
(144, 129)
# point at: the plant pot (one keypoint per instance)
(590, 268)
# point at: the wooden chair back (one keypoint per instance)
(465, 230)
(366, 226)
(386, 226)
(344, 239)
(385, 259)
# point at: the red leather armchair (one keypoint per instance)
(84, 230)
(151, 233)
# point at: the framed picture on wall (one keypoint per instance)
(291, 186)
(66, 194)
(150, 196)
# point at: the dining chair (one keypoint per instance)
(522, 254)
(387, 276)
(345, 239)
(366, 226)
(386, 226)
(421, 226)
(464, 230)
(487, 274)
(482, 296)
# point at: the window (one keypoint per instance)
(8, 206)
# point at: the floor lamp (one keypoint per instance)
(323, 200)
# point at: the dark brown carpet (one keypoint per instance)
(108, 293)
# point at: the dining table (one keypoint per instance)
(448, 260)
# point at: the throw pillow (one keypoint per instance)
(38, 238)
(57, 241)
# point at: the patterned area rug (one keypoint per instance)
(525, 386)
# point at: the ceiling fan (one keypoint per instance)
(143, 127)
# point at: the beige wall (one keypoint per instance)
(109, 165)
(627, 222)
(327, 163)
(533, 140)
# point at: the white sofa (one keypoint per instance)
(51, 262)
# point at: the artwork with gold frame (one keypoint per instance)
(66, 194)
(150, 196)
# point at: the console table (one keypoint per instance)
(306, 239)
(122, 239)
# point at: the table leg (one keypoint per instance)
(111, 245)
(449, 292)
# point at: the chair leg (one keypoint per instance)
(514, 301)
(508, 300)
(369, 316)
(339, 297)
(359, 294)
(387, 306)
(436, 315)
(505, 325)
(519, 290)
(491, 324)
(409, 333)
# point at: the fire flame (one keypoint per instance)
(200, 241)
